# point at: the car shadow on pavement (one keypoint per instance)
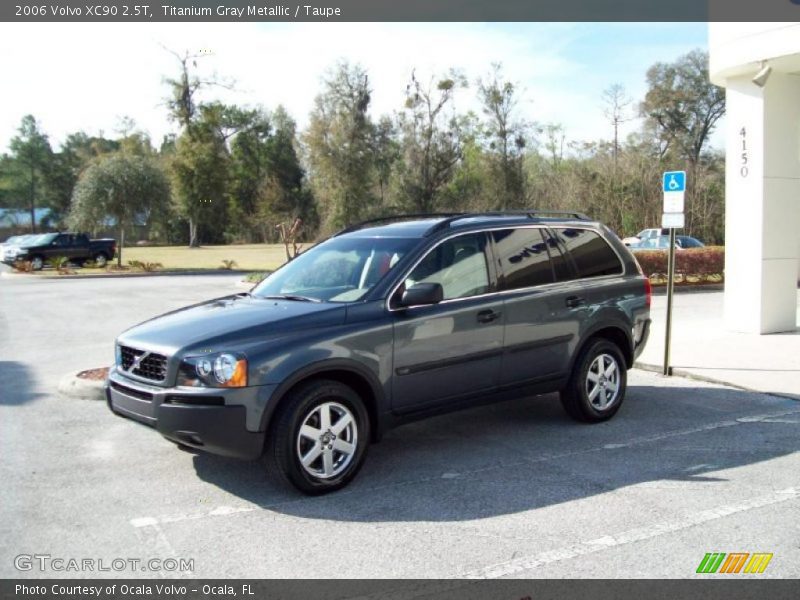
(15, 384)
(524, 454)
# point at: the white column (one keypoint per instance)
(762, 204)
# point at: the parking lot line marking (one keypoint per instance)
(222, 511)
(155, 540)
(638, 534)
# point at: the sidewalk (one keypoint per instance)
(702, 348)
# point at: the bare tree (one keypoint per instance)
(617, 103)
(289, 237)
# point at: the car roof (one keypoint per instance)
(413, 227)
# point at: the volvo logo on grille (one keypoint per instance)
(138, 361)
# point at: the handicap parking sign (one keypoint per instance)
(675, 181)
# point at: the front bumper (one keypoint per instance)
(208, 419)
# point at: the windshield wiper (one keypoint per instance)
(294, 297)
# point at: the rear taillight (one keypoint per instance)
(648, 292)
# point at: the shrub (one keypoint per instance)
(147, 267)
(22, 266)
(703, 264)
(256, 277)
(60, 264)
(57, 262)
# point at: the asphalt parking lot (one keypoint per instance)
(510, 490)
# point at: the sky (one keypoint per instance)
(88, 77)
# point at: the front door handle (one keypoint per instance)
(487, 316)
(574, 301)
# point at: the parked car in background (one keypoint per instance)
(77, 247)
(682, 242)
(387, 322)
(685, 242)
(14, 240)
(644, 235)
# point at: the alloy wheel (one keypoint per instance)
(327, 440)
(602, 382)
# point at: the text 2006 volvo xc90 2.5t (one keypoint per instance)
(386, 322)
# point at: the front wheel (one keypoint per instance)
(597, 387)
(319, 439)
(37, 263)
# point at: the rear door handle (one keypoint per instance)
(487, 316)
(574, 301)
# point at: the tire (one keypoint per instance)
(37, 263)
(298, 431)
(100, 259)
(590, 396)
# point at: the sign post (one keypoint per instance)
(672, 218)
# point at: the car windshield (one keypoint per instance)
(342, 269)
(39, 240)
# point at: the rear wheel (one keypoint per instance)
(597, 387)
(100, 259)
(319, 439)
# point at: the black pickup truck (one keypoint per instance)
(77, 247)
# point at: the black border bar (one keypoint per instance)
(398, 10)
(709, 588)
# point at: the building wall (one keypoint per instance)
(762, 224)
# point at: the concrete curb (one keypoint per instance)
(661, 290)
(72, 386)
(685, 374)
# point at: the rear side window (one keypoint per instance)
(561, 267)
(522, 254)
(591, 254)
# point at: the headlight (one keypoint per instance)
(118, 355)
(214, 370)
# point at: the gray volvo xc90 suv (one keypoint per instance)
(386, 322)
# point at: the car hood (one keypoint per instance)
(229, 323)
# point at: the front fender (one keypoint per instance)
(377, 407)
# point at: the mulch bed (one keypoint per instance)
(94, 374)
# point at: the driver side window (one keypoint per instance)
(459, 265)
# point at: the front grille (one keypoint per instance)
(150, 365)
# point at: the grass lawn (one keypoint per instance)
(248, 257)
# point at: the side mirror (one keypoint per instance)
(422, 294)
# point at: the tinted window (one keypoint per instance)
(592, 255)
(523, 257)
(561, 267)
(459, 265)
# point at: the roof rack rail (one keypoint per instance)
(398, 217)
(529, 213)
